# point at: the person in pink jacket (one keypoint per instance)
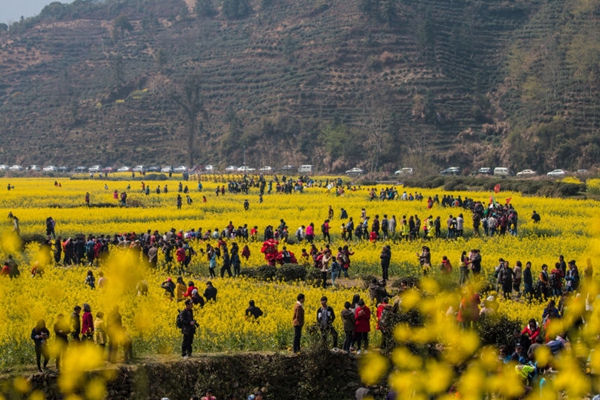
(87, 323)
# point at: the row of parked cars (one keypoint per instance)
(503, 171)
(92, 169)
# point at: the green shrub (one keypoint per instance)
(291, 272)
(498, 330)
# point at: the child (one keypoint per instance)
(90, 280)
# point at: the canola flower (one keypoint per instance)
(568, 227)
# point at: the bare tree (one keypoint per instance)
(375, 101)
(188, 97)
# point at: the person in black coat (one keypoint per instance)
(528, 281)
(188, 328)
(61, 331)
(197, 299)
(386, 257)
(210, 293)
(76, 324)
(40, 335)
(253, 311)
(325, 318)
(226, 263)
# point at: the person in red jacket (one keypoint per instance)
(468, 311)
(362, 316)
(532, 330)
(446, 266)
(180, 254)
(190, 289)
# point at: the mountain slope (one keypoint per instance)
(332, 83)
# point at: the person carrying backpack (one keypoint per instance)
(187, 324)
(555, 280)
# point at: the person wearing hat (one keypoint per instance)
(188, 328)
(197, 299)
(169, 288)
(325, 318)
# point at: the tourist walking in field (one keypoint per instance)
(40, 335)
(100, 330)
(90, 280)
(464, 268)
(386, 257)
(87, 323)
(226, 267)
(187, 324)
(116, 334)
(517, 277)
(211, 254)
(50, 223)
(253, 311)
(210, 292)
(362, 325)
(61, 332)
(180, 289)
(349, 323)
(325, 318)
(75, 324)
(298, 322)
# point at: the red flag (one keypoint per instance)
(497, 188)
(508, 200)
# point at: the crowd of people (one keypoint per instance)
(79, 328)
(174, 252)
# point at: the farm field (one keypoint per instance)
(567, 227)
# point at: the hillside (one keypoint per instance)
(336, 83)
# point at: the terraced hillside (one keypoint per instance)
(334, 83)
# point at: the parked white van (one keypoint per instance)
(501, 171)
(305, 169)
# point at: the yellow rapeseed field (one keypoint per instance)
(568, 227)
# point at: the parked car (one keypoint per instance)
(3, 167)
(231, 168)
(451, 171)
(305, 169)
(526, 173)
(154, 168)
(209, 168)
(245, 168)
(34, 168)
(124, 168)
(582, 171)
(16, 168)
(266, 169)
(95, 168)
(81, 169)
(50, 168)
(557, 173)
(287, 168)
(404, 171)
(166, 169)
(502, 171)
(63, 169)
(483, 171)
(108, 169)
(180, 169)
(355, 171)
(139, 168)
